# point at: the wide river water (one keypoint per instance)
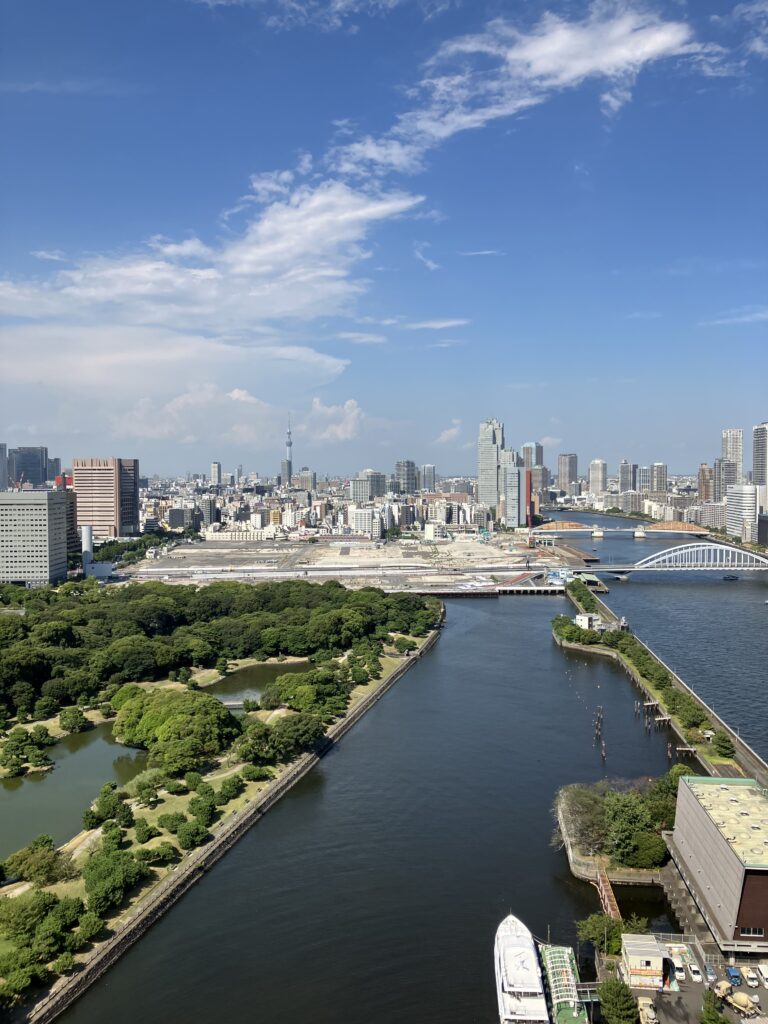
(373, 890)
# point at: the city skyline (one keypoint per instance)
(389, 220)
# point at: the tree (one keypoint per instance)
(64, 963)
(109, 874)
(617, 1003)
(602, 930)
(40, 862)
(404, 644)
(231, 787)
(650, 850)
(723, 744)
(73, 720)
(710, 1009)
(144, 831)
(222, 666)
(625, 815)
(192, 834)
(203, 809)
(90, 926)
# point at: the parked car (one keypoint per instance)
(711, 974)
(750, 977)
(733, 974)
(695, 973)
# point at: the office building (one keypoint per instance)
(762, 529)
(378, 482)
(427, 474)
(33, 537)
(598, 476)
(215, 476)
(709, 513)
(760, 454)
(741, 510)
(305, 479)
(53, 469)
(718, 847)
(567, 471)
(513, 492)
(533, 454)
(3, 467)
(286, 466)
(360, 490)
(107, 496)
(659, 476)
(732, 449)
(627, 476)
(405, 476)
(28, 466)
(723, 477)
(643, 478)
(490, 443)
(706, 483)
(210, 511)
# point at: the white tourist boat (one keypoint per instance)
(519, 984)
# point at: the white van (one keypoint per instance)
(762, 971)
(677, 963)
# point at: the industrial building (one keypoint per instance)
(720, 846)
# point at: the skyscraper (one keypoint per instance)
(490, 443)
(627, 476)
(741, 509)
(723, 477)
(286, 466)
(378, 482)
(405, 476)
(706, 483)
(760, 454)
(107, 495)
(567, 470)
(3, 467)
(643, 478)
(30, 465)
(659, 477)
(427, 477)
(533, 454)
(215, 474)
(733, 449)
(512, 491)
(598, 476)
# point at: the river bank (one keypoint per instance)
(148, 908)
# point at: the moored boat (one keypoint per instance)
(519, 983)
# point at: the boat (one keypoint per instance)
(562, 978)
(519, 983)
(729, 577)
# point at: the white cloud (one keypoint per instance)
(449, 434)
(476, 79)
(361, 338)
(755, 16)
(332, 422)
(241, 395)
(549, 442)
(435, 325)
(326, 14)
(419, 252)
(446, 343)
(66, 87)
(482, 252)
(746, 315)
(51, 255)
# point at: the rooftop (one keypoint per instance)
(739, 809)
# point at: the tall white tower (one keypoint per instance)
(286, 466)
(733, 449)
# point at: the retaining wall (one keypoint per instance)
(167, 892)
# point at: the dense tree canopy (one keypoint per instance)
(74, 641)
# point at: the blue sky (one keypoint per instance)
(390, 218)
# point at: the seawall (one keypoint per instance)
(189, 871)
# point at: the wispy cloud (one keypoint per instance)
(504, 70)
(50, 255)
(361, 338)
(68, 87)
(483, 252)
(435, 325)
(755, 16)
(449, 434)
(419, 251)
(326, 14)
(745, 315)
(446, 343)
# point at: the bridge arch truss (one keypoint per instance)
(702, 556)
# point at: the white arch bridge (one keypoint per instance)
(700, 557)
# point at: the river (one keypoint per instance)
(373, 890)
(713, 633)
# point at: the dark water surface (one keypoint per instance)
(372, 892)
(713, 633)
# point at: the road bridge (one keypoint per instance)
(696, 557)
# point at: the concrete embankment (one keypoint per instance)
(745, 757)
(168, 891)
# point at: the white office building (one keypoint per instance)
(760, 454)
(741, 510)
(513, 492)
(215, 474)
(733, 449)
(490, 443)
(33, 537)
(598, 476)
